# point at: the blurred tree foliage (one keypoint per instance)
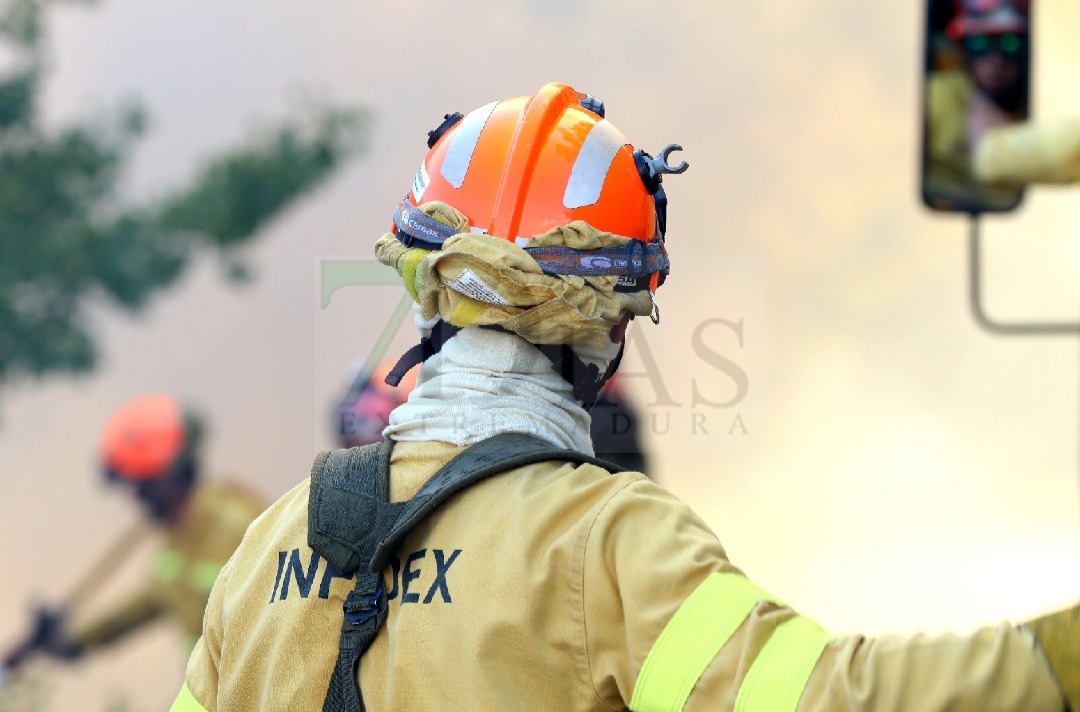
(63, 237)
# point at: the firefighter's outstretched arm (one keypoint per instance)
(1030, 153)
(713, 636)
(1059, 638)
(141, 608)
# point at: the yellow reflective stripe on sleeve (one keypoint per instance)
(691, 639)
(167, 565)
(186, 702)
(777, 677)
(204, 574)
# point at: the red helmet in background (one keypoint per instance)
(365, 410)
(522, 166)
(146, 439)
(989, 17)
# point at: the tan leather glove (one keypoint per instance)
(1059, 636)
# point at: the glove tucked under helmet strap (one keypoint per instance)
(637, 261)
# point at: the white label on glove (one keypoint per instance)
(420, 182)
(472, 286)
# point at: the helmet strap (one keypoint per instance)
(428, 347)
(585, 378)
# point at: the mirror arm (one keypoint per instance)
(979, 312)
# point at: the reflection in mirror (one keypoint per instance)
(976, 79)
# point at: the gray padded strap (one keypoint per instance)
(348, 510)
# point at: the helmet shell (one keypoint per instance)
(522, 166)
(988, 17)
(143, 439)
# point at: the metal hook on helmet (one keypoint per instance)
(659, 165)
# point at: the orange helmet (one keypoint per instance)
(146, 438)
(988, 17)
(522, 166)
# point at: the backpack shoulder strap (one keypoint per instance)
(348, 511)
(348, 507)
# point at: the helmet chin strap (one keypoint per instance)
(428, 347)
(585, 378)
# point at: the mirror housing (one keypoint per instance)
(976, 79)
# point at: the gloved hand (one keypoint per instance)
(1059, 636)
(1026, 153)
(47, 637)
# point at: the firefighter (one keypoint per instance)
(977, 141)
(987, 94)
(151, 448)
(480, 558)
(364, 410)
(615, 429)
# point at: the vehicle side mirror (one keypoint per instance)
(976, 78)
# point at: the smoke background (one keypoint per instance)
(889, 468)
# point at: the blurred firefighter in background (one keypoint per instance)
(615, 429)
(151, 448)
(988, 91)
(364, 411)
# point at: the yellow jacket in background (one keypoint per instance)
(184, 569)
(950, 172)
(561, 587)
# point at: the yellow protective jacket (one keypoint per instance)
(561, 587)
(183, 570)
(950, 172)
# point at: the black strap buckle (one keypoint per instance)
(359, 609)
(636, 258)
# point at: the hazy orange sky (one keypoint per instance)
(894, 467)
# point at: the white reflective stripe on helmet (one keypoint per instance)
(593, 162)
(703, 624)
(463, 144)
